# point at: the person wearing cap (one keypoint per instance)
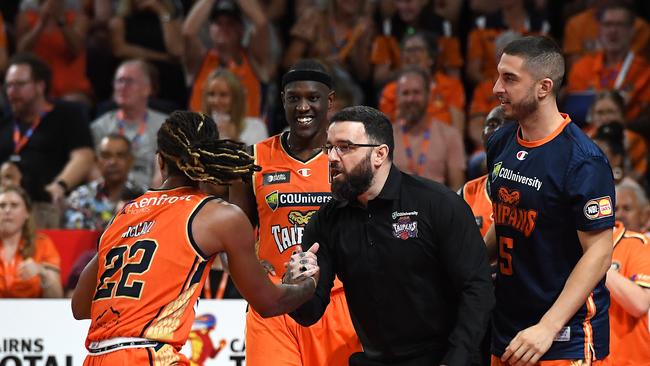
(282, 198)
(251, 63)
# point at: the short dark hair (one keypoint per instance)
(430, 40)
(613, 95)
(39, 69)
(377, 125)
(117, 136)
(616, 5)
(415, 70)
(542, 58)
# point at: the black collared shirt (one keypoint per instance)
(414, 269)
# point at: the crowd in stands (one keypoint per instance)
(87, 83)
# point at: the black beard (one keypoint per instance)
(525, 108)
(356, 182)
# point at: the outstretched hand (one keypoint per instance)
(302, 265)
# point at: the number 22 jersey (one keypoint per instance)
(542, 193)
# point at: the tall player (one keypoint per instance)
(151, 264)
(293, 184)
(553, 201)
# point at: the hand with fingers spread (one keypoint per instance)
(302, 265)
(529, 345)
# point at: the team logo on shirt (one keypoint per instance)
(598, 208)
(495, 170)
(277, 199)
(287, 236)
(405, 228)
(305, 172)
(521, 155)
(507, 213)
(276, 178)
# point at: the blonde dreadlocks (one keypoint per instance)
(189, 142)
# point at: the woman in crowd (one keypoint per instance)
(29, 262)
(225, 102)
(609, 106)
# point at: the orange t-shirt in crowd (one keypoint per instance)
(480, 44)
(475, 193)
(151, 271)
(45, 254)
(581, 34)
(288, 192)
(386, 50)
(3, 33)
(483, 99)
(590, 73)
(446, 91)
(68, 74)
(245, 73)
(630, 336)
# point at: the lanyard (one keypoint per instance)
(617, 75)
(424, 148)
(21, 140)
(121, 124)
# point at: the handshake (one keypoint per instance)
(302, 266)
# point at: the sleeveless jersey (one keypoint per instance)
(288, 192)
(245, 73)
(475, 193)
(542, 193)
(151, 271)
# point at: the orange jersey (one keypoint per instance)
(446, 91)
(385, 50)
(245, 73)
(287, 192)
(11, 286)
(590, 73)
(68, 73)
(581, 34)
(480, 42)
(483, 99)
(630, 336)
(476, 195)
(151, 271)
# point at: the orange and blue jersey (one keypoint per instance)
(543, 192)
(151, 270)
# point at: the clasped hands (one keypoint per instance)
(302, 265)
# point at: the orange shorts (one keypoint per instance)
(497, 362)
(166, 355)
(283, 342)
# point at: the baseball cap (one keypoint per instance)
(225, 7)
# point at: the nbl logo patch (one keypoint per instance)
(598, 208)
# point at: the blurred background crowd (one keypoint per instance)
(87, 83)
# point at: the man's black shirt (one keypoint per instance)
(414, 269)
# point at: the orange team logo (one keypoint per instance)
(200, 341)
(507, 213)
(507, 197)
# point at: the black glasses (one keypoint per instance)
(344, 147)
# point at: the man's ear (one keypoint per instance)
(545, 89)
(380, 155)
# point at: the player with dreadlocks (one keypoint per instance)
(153, 258)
